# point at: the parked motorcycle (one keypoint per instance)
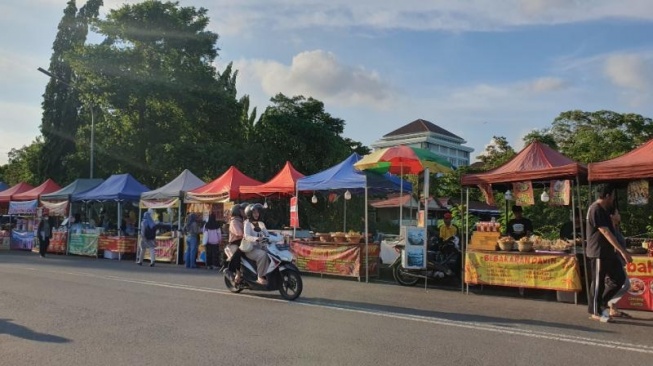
(443, 262)
(282, 274)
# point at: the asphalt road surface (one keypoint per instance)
(80, 311)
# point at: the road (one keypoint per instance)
(81, 311)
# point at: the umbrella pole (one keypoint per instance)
(367, 240)
(344, 211)
(401, 194)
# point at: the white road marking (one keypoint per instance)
(594, 342)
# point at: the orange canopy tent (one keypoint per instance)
(226, 187)
(5, 196)
(283, 183)
(536, 161)
(46, 187)
(637, 164)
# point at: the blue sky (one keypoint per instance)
(477, 68)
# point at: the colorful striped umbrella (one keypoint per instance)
(404, 160)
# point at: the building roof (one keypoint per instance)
(420, 125)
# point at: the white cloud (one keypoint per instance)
(546, 84)
(630, 71)
(318, 74)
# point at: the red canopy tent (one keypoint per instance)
(283, 183)
(225, 187)
(536, 161)
(637, 164)
(46, 187)
(5, 196)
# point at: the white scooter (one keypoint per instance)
(282, 274)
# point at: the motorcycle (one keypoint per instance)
(443, 262)
(282, 274)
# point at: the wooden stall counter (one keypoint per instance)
(340, 259)
(546, 271)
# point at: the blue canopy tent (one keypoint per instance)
(344, 176)
(3, 186)
(78, 186)
(117, 188)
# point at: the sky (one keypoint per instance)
(476, 68)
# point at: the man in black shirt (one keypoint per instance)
(520, 226)
(602, 251)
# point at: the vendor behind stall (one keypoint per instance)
(519, 226)
(567, 229)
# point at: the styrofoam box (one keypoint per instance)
(110, 255)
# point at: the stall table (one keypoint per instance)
(83, 244)
(166, 249)
(5, 239)
(546, 271)
(22, 240)
(58, 242)
(640, 274)
(340, 259)
(115, 247)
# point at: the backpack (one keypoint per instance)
(150, 233)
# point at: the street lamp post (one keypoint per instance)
(90, 107)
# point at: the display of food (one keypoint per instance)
(525, 244)
(354, 237)
(506, 243)
(339, 236)
(324, 237)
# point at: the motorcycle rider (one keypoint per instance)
(447, 230)
(235, 237)
(254, 230)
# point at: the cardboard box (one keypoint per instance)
(484, 240)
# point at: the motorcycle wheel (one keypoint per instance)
(403, 277)
(230, 285)
(291, 285)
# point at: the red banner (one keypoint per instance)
(342, 260)
(294, 213)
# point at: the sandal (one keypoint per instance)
(619, 314)
(262, 281)
(602, 318)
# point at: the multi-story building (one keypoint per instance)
(426, 135)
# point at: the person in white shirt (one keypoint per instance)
(254, 230)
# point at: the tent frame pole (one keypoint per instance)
(583, 235)
(464, 254)
(367, 239)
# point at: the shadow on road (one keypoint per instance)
(19, 331)
(440, 315)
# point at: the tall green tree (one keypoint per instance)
(61, 102)
(595, 136)
(164, 107)
(496, 153)
(23, 164)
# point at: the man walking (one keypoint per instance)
(603, 251)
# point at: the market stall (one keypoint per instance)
(218, 196)
(553, 269)
(5, 195)
(33, 216)
(635, 170)
(341, 178)
(169, 198)
(58, 204)
(123, 190)
(23, 236)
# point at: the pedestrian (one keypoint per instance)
(212, 238)
(44, 233)
(612, 303)
(192, 231)
(148, 239)
(603, 251)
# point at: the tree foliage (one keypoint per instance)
(496, 153)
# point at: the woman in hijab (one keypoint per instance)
(192, 230)
(148, 239)
(213, 238)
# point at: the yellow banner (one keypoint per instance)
(549, 272)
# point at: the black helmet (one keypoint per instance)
(254, 207)
(235, 210)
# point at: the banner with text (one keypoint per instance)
(523, 193)
(549, 272)
(342, 260)
(640, 294)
